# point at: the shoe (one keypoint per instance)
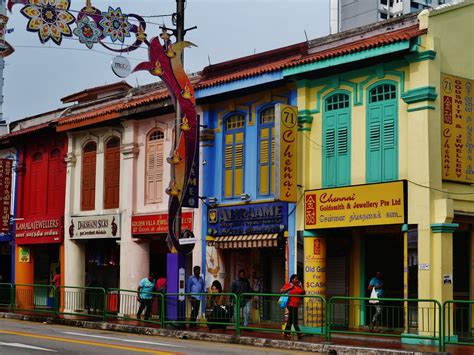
(287, 336)
(138, 317)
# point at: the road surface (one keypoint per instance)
(21, 337)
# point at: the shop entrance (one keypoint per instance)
(5, 263)
(102, 262)
(158, 254)
(46, 259)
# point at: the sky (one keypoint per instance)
(38, 75)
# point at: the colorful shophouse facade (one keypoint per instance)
(248, 226)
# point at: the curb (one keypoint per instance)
(326, 348)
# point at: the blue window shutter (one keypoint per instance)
(374, 144)
(390, 164)
(329, 144)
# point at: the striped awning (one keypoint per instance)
(245, 241)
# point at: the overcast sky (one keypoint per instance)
(37, 76)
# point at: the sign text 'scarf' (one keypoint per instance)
(355, 206)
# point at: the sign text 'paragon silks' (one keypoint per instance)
(363, 205)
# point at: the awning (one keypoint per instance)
(245, 241)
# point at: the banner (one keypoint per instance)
(5, 193)
(94, 227)
(354, 206)
(286, 131)
(158, 223)
(457, 128)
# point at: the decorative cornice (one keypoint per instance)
(427, 93)
(70, 160)
(444, 227)
(421, 108)
(130, 150)
(305, 119)
(421, 56)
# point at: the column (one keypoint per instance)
(314, 277)
(134, 254)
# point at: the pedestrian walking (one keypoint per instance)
(56, 281)
(195, 286)
(376, 284)
(294, 287)
(239, 286)
(145, 296)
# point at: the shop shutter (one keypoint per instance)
(337, 284)
(112, 174)
(88, 177)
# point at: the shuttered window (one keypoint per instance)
(154, 167)
(267, 152)
(88, 176)
(37, 199)
(112, 173)
(382, 134)
(336, 141)
(56, 168)
(234, 156)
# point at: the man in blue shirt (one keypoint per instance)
(145, 297)
(195, 285)
(377, 284)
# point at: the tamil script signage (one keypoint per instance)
(94, 227)
(249, 219)
(158, 223)
(5, 194)
(286, 131)
(457, 148)
(354, 206)
(39, 230)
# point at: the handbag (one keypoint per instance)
(283, 301)
(373, 297)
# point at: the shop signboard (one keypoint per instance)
(44, 230)
(94, 227)
(457, 148)
(314, 279)
(286, 132)
(5, 194)
(355, 206)
(24, 255)
(256, 218)
(158, 223)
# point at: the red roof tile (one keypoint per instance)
(27, 130)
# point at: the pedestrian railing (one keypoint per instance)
(390, 317)
(33, 298)
(261, 312)
(211, 310)
(6, 295)
(126, 305)
(86, 302)
(458, 322)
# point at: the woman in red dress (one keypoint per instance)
(294, 287)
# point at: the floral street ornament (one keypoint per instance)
(87, 32)
(52, 20)
(115, 24)
(5, 48)
(165, 61)
(49, 18)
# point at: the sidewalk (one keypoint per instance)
(340, 344)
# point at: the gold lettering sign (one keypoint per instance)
(363, 205)
(456, 133)
(286, 131)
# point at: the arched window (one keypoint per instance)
(56, 173)
(266, 159)
(154, 166)
(234, 156)
(112, 173)
(336, 140)
(382, 134)
(89, 159)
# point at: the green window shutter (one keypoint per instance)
(374, 154)
(390, 164)
(336, 141)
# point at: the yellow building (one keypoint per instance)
(385, 115)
